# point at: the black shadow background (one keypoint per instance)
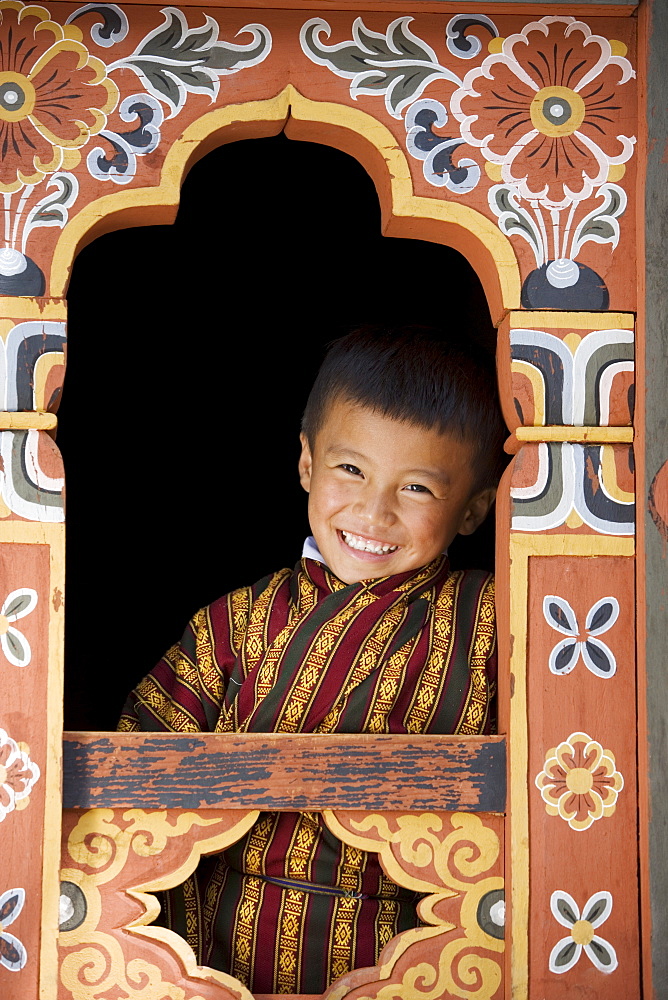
(192, 348)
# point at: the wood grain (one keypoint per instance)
(283, 772)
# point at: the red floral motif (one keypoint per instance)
(545, 107)
(580, 781)
(53, 95)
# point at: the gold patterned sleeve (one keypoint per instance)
(185, 691)
(484, 646)
(485, 657)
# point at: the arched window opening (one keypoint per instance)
(192, 349)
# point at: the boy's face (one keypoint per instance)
(386, 496)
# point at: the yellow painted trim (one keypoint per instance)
(535, 377)
(571, 545)
(572, 320)
(25, 532)
(19, 308)
(29, 420)
(518, 794)
(144, 894)
(522, 548)
(168, 191)
(291, 103)
(404, 202)
(609, 478)
(594, 435)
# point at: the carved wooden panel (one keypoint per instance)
(32, 345)
(514, 132)
(570, 507)
(113, 859)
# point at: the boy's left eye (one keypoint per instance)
(417, 488)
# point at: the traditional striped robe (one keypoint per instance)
(303, 652)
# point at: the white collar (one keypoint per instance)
(311, 550)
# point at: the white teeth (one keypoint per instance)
(364, 545)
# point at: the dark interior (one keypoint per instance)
(191, 352)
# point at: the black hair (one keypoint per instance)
(418, 375)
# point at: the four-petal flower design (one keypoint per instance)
(53, 95)
(544, 107)
(13, 643)
(598, 657)
(582, 932)
(18, 774)
(579, 781)
(13, 954)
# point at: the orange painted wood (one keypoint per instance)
(580, 862)
(492, 8)
(26, 801)
(603, 856)
(105, 853)
(286, 64)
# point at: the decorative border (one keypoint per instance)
(41, 148)
(309, 119)
(542, 98)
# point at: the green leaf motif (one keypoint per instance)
(601, 225)
(504, 200)
(599, 229)
(53, 209)
(18, 604)
(174, 60)
(397, 63)
(15, 646)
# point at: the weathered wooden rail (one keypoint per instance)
(284, 772)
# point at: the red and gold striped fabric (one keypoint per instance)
(289, 908)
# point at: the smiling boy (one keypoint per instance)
(371, 632)
(386, 496)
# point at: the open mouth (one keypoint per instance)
(361, 544)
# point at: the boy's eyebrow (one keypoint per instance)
(342, 449)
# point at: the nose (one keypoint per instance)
(375, 506)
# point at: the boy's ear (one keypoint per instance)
(305, 464)
(477, 510)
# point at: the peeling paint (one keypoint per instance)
(293, 773)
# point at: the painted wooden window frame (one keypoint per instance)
(546, 631)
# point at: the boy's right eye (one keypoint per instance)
(352, 469)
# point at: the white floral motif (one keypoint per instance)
(598, 657)
(18, 775)
(13, 954)
(14, 644)
(582, 936)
